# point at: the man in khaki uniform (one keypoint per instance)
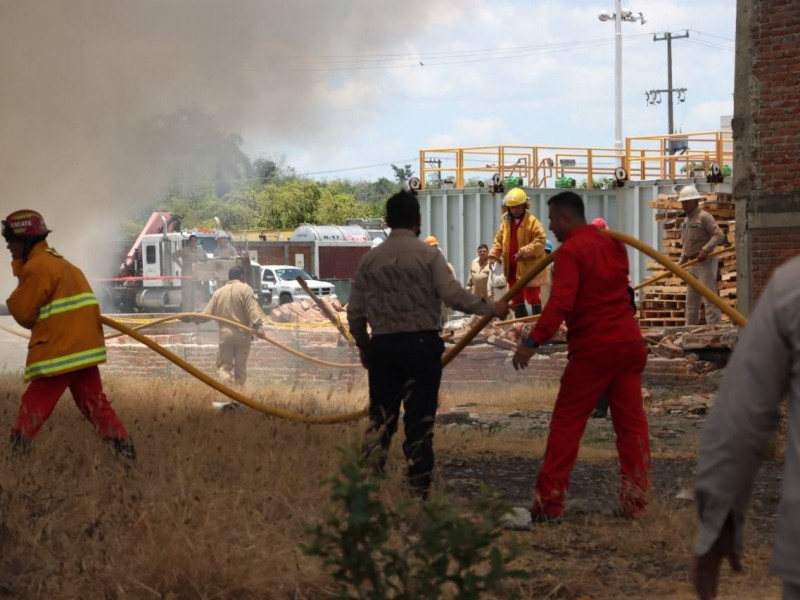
(700, 234)
(479, 270)
(185, 258)
(235, 301)
(224, 249)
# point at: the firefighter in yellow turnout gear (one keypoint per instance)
(54, 300)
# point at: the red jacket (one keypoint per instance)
(590, 293)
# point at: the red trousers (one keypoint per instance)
(615, 371)
(528, 294)
(43, 394)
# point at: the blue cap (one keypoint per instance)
(548, 247)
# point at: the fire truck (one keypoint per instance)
(150, 281)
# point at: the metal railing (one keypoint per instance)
(644, 157)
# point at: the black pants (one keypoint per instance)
(405, 368)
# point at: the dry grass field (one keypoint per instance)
(218, 504)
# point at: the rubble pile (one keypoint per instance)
(695, 404)
(306, 312)
(664, 342)
(503, 336)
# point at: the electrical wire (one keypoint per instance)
(444, 58)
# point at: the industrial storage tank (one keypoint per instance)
(376, 228)
(330, 233)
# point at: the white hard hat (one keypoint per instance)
(689, 192)
(222, 234)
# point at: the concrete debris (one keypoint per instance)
(667, 348)
(305, 311)
(502, 342)
(695, 404)
(516, 519)
(456, 415)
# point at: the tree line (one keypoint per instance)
(202, 172)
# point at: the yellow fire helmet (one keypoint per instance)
(431, 241)
(515, 197)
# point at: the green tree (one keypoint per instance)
(335, 206)
(196, 207)
(289, 204)
(402, 174)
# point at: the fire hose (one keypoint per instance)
(222, 388)
(538, 266)
(180, 316)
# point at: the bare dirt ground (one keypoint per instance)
(597, 555)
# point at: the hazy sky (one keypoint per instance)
(333, 86)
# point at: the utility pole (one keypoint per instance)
(618, 17)
(669, 91)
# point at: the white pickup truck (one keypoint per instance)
(279, 285)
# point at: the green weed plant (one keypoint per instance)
(408, 551)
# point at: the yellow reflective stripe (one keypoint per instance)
(63, 305)
(70, 362)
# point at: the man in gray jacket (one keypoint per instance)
(398, 292)
(763, 370)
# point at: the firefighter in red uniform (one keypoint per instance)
(519, 243)
(606, 356)
(54, 300)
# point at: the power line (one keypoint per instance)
(407, 61)
(712, 45)
(386, 164)
(719, 37)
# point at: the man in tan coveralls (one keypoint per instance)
(235, 301)
(700, 234)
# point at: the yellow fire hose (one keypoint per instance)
(540, 265)
(272, 341)
(537, 268)
(223, 389)
(527, 319)
(690, 263)
(690, 279)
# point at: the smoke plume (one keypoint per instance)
(79, 75)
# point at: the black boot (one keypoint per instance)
(125, 448)
(520, 311)
(419, 485)
(601, 410)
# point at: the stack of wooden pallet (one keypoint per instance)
(662, 303)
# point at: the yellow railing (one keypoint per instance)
(646, 157)
(649, 157)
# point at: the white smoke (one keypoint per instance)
(79, 75)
